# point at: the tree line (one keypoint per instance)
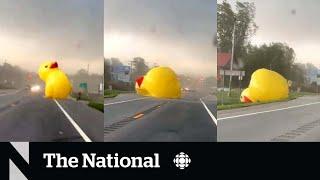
(12, 76)
(138, 67)
(276, 56)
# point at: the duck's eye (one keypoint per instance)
(46, 66)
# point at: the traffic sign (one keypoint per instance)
(232, 73)
(121, 73)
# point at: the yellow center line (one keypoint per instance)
(138, 116)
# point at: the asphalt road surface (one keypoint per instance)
(30, 117)
(296, 120)
(133, 118)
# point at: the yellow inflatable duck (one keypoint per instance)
(265, 85)
(159, 82)
(57, 83)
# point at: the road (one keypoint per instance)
(30, 117)
(132, 118)
(296, 120)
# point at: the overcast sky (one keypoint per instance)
(69, 31)
(174, 33)
(294, 22)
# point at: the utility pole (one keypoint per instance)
(232, 57)
(131, 77)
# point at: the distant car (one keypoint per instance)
(35, 88)
(186, 89)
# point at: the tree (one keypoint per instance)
(245, 27)
(12, 76)
(312, 72)
(298, 74)
(139, 67)
(276, 56)
(107, 71)
(115, 62)
(82, 72)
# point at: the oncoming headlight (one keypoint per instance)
(35, 88)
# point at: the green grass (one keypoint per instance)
(92, 103)
(225, 102)
(224, 99)
(110, 93)
(114, 93)
(83, 97)
(97, 106)
(294, 95)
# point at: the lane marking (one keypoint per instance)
(209, 112)
(6, 94)
(138, 116)
(75, 125)
(121, 102)
(262, 112)
(206, 96)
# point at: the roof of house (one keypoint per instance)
(223, 59)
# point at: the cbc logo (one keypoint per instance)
(182, 160)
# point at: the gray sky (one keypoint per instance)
(178, 33)
(37, 30)
(294, 22)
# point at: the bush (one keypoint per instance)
(110, 93)
(97, 106)
(122, 86)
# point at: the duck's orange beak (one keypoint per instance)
(54, 65)
(246, 99)
(139, 80)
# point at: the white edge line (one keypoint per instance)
(209, 112)
(207, 96)
(6, 94)
(262, 112)
(120, 102)
(75, 125)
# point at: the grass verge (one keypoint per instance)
(225, 102)
(92, 102)
(114, 93)
(110, 93)
(97, 106)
